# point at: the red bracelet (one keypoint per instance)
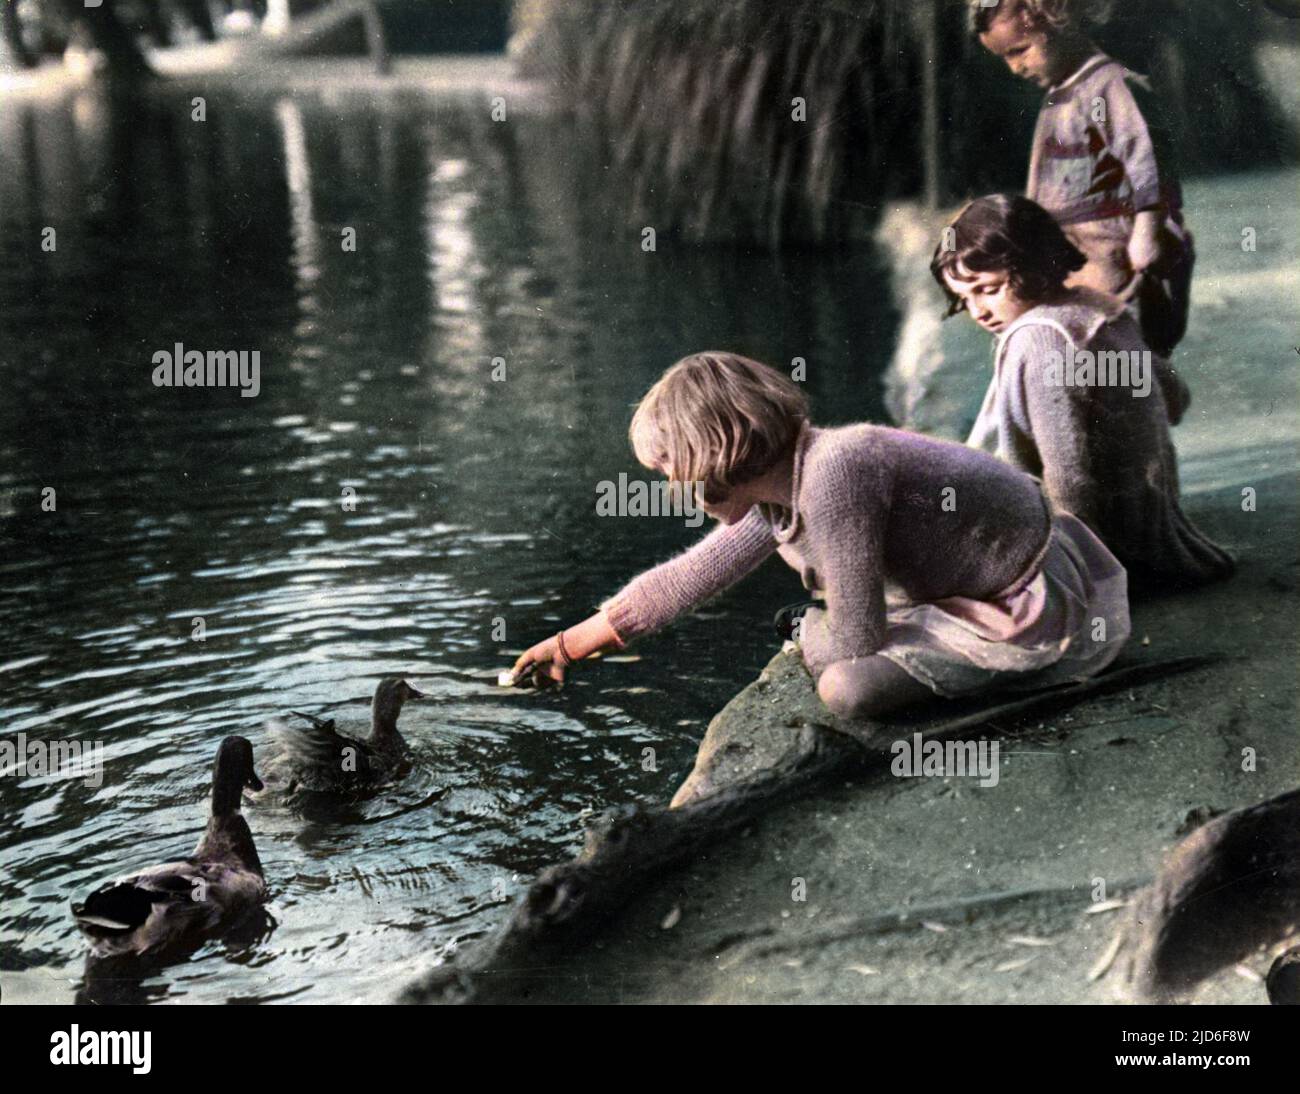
(565, 659)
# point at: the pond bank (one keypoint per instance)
(219, 66)
(876, 888)
(939, 890)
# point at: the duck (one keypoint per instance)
(316, 758)
(177, 905)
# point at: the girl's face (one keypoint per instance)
(731, 509)
(1027, 49)
(988, 297)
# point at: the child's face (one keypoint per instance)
(1026, 48)
(988, 297)
(731, 509)
(734, 507)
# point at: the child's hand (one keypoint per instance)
(1144, 243)
(547, 661)
(542, 661)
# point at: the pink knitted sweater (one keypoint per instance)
(871, 505)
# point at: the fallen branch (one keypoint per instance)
(962, 910)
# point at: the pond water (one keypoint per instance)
(474, 504)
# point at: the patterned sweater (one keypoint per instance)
(1103, 452)
(871, 506)
(1099, 150)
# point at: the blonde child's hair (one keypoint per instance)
(1058, 14)
(717, 420)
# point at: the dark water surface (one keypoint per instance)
(475, 501)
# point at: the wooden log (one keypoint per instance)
(1283, 981)
(1230, 887)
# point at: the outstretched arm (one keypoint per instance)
(658, 596)
(555, 654)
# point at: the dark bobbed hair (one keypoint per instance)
(1006, 233)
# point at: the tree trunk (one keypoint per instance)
(13, 34)
(156, 24)
(928, 33)
(125, 61)
(375, 43)
(200, 15)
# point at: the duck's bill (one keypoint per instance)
(254, 782)
(415, 693)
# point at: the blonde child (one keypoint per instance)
(1098, 164)
(1077, 398)
(939, 570)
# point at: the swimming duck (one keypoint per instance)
(176, 905)
(317, 758)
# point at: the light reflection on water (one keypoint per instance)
(474, 501)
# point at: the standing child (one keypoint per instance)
(1099, 163)
(987, 586)
(1077, 398)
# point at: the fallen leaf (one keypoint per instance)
(1107, 959)
(1247, 973)
(672, 918)
(1011, 966)
(1030, 940)
(1104, 906)
(938, 928)
(865, 970)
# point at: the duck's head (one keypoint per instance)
(232, 772)
(390, 696)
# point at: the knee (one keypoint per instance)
(845, 689)
(868, 687)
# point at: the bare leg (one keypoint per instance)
(868, 687)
